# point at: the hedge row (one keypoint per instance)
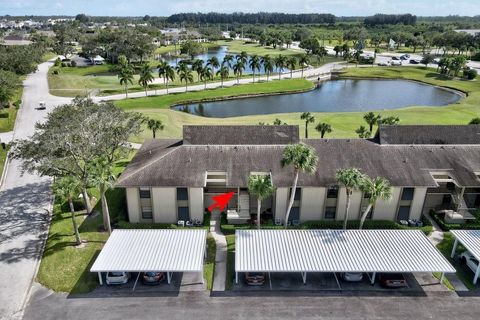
(122, 224)
(438, 218)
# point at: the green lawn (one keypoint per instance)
(344, 124)
(230, 261)
(237, 46)
(158, 107)
(463, 272)
(3, 158)
(209, 267)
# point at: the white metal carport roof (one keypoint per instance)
(152, 250)
(470, 239)
(337, 251)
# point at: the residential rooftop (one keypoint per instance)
(431, 134)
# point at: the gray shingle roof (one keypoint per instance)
(431, 134)
(240, 135)
(170, 163)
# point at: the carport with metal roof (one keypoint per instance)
(470, 239)
(334, 251)
(155, 250)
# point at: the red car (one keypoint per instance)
(255, 278)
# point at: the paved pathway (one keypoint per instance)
(221, 254)
(25, 205)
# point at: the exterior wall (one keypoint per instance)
(133, 205)
(164, 205)
(195, 198)
(387, 210)
(312, 204)
(281, 200)
(417, 203)
(433, 201)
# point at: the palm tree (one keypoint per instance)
(213, 62)
(378, 188)
(261, 187)
(103, 178)
(351, 179)
(323, 128)
(280, 62)
(197, 65)
(243, 57)
(206, 74)
(371, 119)
(185, 74)
(146, 77)
(169, 75)
(291, 64)
(254, 64)
(162, 71)
(303, 158)
(363, 132)
(238, 68)
(307, 116)
(267, 65)
(227, 60)
(223, 72)
(125, 74)
(154, 125)
(67, 189)
(303, 62)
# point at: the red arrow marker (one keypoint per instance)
(220, 201)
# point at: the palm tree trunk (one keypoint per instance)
(126, 91)
(146, 94)
(302, 72)
(345, 219)
(153, 133)
(291, 73)
(167, 87)
(74, 222)
(106, 214)
(306, 130)
(253, 76)
(205, 84)
(259, 206)
(292, 197)
(86, 199)
(364, 216)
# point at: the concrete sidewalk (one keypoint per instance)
(221, 253)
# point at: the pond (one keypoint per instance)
(332, 96)
(219, 52)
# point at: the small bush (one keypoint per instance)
(3, 115)
(17, 104)
(73, 64)
(64, 64)
(55, 72)
(438, 218)
(58, 62)
(470, 74)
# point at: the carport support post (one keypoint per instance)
(304, 277)
(455, 244)
(236, 277)
(477, 274)
(169, 277)
(372, 281)
(442, 277)
(100, 278)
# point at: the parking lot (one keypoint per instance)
(282, 281)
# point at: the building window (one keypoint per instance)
(407, 193)
(182, 194)
(183, 213)
(332, 192)
(298, 194)
(145, 193)
(147, 212)
(403, 213)
(330, 212)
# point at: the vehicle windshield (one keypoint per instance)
(115, 274)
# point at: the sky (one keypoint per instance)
(168, 7)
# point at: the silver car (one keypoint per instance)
(118, 277)
(352, 276)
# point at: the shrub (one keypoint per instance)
(470, 74)
(17, 104)
(55, 72)
(58, 62)
(476, 57)
(64, 64)
(438, 218)
(73, 64)
(3, 115)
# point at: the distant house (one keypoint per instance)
(429, 168)
(98, 60)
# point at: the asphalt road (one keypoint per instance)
(264, 306)
(25, 201)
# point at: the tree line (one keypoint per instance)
(381, 19)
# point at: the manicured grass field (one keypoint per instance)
(237, 46)
(158, 107)
(344, 124)
(3, 158)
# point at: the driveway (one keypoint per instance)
(279, 305)
(25, 204)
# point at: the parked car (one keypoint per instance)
(405, 57)
(41, 106)
(118, 277)
(352, 276)
(393, 280)
(414, 61)
(469, 260)
(395, 58)
(152, 278)
(395, 63)
(436, 61)
(384, 63)
(255, 278)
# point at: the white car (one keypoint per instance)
(384, 63)
(118, 277)
(352, 276)
(396, 62)
(471, 262)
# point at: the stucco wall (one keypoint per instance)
(195, 197)
(164, 205)
(417, 203)
(312, 203)
(387, 209)
(133, 205)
